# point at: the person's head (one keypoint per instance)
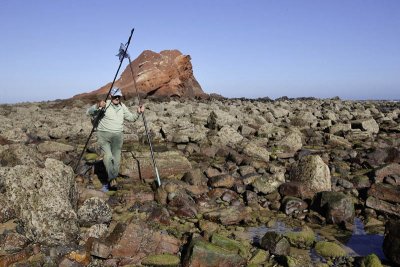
(116, 95)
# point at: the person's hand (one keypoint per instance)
(101, 104)
(140, 109)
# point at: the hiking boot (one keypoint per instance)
(105, 188)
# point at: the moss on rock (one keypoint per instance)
(161, 260)
(301, 239)
(259, 256)
(371, 261)
(329, 249)
(229, 244)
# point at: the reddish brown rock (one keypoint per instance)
(7, 260)
(138, 239)
(133, 196)
(170, 164)
(202, 253)
(387, 170)
(296, 189)
(164, 74)
(382, 206)
(160, 215)
(385, 192)
(227, 215)
(183, 205)
(223, 180)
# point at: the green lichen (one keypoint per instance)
(229, 244)
(161, 260)
(301, 239)
(371, 261)
(290, 261)
(259, 256)
(211, 247)
(329, 249)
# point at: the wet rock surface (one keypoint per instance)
(299, 171)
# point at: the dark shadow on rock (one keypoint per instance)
(101, 172)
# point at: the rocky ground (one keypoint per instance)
(244, 183)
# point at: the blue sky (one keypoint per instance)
(254, 48)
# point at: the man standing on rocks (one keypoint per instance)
(110, 131)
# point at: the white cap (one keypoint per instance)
(116, 92)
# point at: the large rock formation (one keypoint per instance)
(168, 73)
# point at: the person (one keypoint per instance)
(110, 131)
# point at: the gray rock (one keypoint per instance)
(291, 142)
(336, 206)
(94, 211)
(51, 146)
(255, 151)
(275, 243)
(368, 125)
(228, 135)
(44, 199)
(312, 171)
(268, 183)
(6, 210)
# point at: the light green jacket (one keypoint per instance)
(113, 119)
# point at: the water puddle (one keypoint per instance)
(359, 244)
(363, 244)
(256, 233)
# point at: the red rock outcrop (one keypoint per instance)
(165, 74)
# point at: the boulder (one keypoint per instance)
(257, 152)
(195, 177)
(229, 244)
(329, 249)
(292, 205)
(51, 146)
(203, 253)
(368, 125)
(228, 215)
(182, 205)
(161, 260)
(275, 243)
(228, 136)
(339, 128)
(336, 206)
(385, 192)
(222, 180)
(301, 238)
(137, 240)
(313, 172)
(168, 73)
(267, 184)
(139, 165)
(291, 142)
(385, 171)
(18, 154)
(391, 242)
(296, 189)
(44, 200)
(383, 206)
(94, 211)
